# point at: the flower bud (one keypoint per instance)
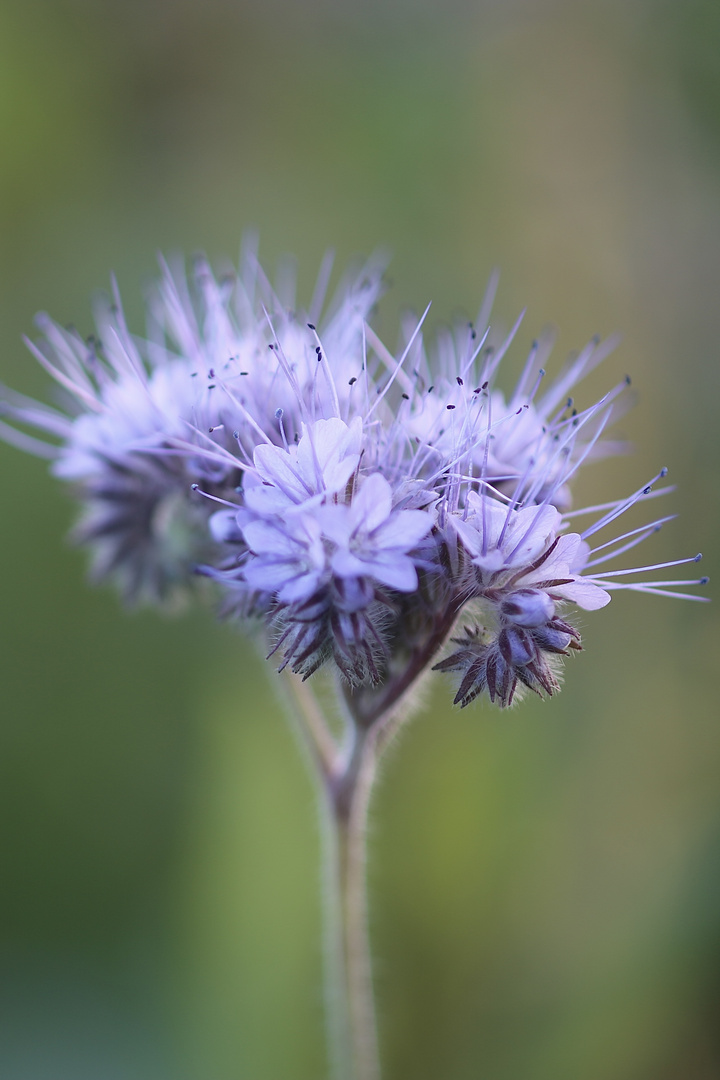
(553, 640)
(516, 647)
(224, 528)
(528, 607)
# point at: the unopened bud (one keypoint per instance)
(528, 607)
(553, 640)
(224, 528)
(516, 647)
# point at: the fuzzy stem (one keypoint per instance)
(344, 785)
(337, 1012)
(350, 802)
(313, 725)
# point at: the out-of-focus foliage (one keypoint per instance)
(544, 885)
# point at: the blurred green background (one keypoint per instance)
(545, 885)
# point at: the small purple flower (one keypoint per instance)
(373, 540)
(337, 559)
(526, 545)
(320, 465)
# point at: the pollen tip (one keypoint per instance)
(278, 414)
(310, 326)
(703, 581)
(194, 487)
(698, 557)
(664, 471)
(628, 380)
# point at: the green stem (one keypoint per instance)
(350, 804)
(344, 784)
(313, 726)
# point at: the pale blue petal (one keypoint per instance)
(404, 530)
(269, 576)
(300, 588)
(264, 539)
(586, 596)
(276, 467)
(372, 504)
(397, 572)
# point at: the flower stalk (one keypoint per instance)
(344, 783)
(350, 804)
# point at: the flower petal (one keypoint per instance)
(587, 596)
(404, 530)
(264, 539)
(372, 504)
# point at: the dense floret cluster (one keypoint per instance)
(360, 502)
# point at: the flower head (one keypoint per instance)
(359, 502)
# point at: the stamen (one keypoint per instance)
(387, 358)
(287, 368)
(491, 366)
(327, 370)
(75, 388)
(654, 493)
(400, 362)
(623, 506)
(529, 365)
(321, 285)
(638, 535)
(649, 588)
(279, 418)
(655, 566)
(247, 416)
(483, 316)
(214, 498)
(28, 443)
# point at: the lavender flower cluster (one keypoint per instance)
(364, 504)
